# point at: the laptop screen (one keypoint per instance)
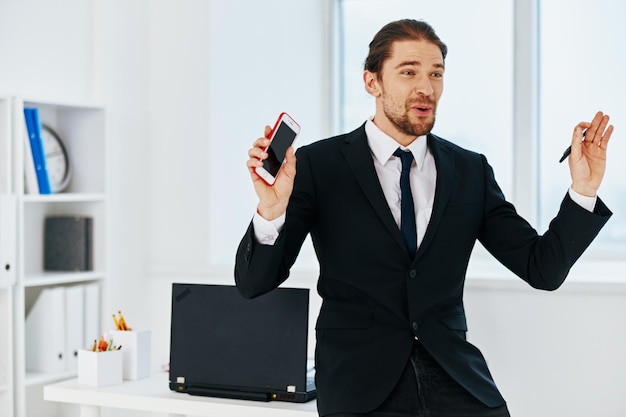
(220, 339)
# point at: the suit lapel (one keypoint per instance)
(444, 161)
(357, 153)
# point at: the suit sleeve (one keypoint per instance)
(261, 268)
(541, 260)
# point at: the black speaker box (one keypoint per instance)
(68, 243)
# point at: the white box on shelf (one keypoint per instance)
(45, 332)
(99, 369)
(135, 347)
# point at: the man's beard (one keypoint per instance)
(404, 124)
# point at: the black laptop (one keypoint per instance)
(223, 345)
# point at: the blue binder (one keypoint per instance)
(33, 124)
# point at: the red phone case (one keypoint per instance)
(276, 124)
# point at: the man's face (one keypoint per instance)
(407, 89)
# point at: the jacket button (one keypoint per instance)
(415, 326)
(246, 254)
(412, 273)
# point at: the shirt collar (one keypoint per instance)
(383, 146)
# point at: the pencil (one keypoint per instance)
(123, 325)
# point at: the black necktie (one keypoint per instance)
(407, 207)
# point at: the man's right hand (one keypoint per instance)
(273, 199)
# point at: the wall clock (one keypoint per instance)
(57, 159)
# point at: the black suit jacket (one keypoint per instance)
(376, 298)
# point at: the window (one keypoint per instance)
(582, 67)
(476, 108)
(579, 67)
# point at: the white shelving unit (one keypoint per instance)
(82, 128)
(7, 259)
(6, 353)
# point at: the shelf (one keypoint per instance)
(56, 278)
(83, 129)
(64, 105)
(41, 378)
(64, 198)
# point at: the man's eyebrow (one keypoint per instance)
(418, 64)
(408, 64)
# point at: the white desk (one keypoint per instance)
(153, 394)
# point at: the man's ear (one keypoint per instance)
(372, 86)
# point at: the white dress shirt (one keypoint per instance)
(423, 176)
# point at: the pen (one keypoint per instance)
(569, 150)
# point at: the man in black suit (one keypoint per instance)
(391, 333)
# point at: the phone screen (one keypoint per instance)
(282, 140)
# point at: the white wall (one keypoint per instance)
(46, 54)
(552, 353)
(220, 70)
(120, 68)
(188, 85)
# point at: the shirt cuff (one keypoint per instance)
(266, 231)
(588, 203)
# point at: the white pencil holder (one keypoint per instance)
(99, 369)
(135, 348)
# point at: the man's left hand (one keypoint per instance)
(587, 160)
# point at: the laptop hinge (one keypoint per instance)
(223, 393)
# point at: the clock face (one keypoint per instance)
(57, 161)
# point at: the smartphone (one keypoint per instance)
(281, 137)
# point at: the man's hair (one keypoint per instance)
(399, 30)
